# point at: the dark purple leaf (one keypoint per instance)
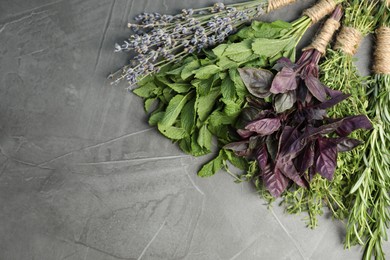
(274, 181)
(262, 157)
(316, 88)
(345, 144)
(291, 143)
(326, 158)
(352, 123)
(332, 92)
(264, 126)
(244, 133)
(272, 146)
(289, 170)
(311, 172)
(302, 93)
(283, 62)
(258, 103)
(305, 158)
(257, 81)
(332, 101)
(324, 129)
(284, 81)
(284, 101)
(315, 114)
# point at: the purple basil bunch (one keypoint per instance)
(285, 125)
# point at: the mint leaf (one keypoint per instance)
(187, 116)
(149, 104)
(146, 90)
(205, 103)
(189, 68)
(172, 132)
(206, 72)
(227, 89)
(219, 50)
(155, 118)
(205, 137)
(210, 168)
(175, 105)
(239, 52)
(269, 47)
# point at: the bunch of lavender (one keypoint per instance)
(160, 39)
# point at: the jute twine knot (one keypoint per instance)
(382, 51)
(275, 4)
(320, 10)
(348, 40)
(322, 39)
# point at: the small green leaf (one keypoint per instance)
(206, 72)
(269, 47)
(205, 103)
(149, 104)
(219, 50)
(210, 168)
(218, 118)
(238, 83)
(155, 118)
(174, 107)
(231, 109)
(238, 162)
(239, 52)
(227, 89)
(172, 132)
(204, 137)
(187, 116)
(146, 90)
(189, 68)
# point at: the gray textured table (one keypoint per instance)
(82, 175)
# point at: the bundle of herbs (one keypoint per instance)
(286, 128)
(161, 39)
(339, 73)
(200, 97)
(370, 215)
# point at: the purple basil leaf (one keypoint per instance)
(244, 133)
(284, 101)
(332, 92)
(289, 170)
(274, 181)
(315, 114)
(257, 81)
(283, 62)
(258, 103)
(326, 158)
(352, 123)
(305, 159)
(272, 146)
(315, 87)
(291, 144)
(262, 157)
(302, 92)
(284, 81)
(324, 129)
(237, 146)
(312, 172)
(264, 126)
(333, 101)
(345, 144)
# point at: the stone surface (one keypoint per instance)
(82, 175)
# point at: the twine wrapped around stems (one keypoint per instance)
(322, 40)
(275, 4)
(319, 10)
(348, 40)
(382, 51)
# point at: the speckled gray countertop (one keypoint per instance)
(82, 175)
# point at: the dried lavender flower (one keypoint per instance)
(172, 37)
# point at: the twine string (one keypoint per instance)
(382, 51)
(348, 40)
(322, 40)
(275, 4)
(320, 10)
